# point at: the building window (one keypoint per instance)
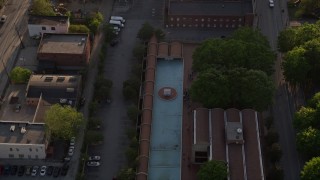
(11, 156)
(178, 19)
(44, 28)
(53, 28)
(21, 156)
(17, 149)
(36, 156)
(10, 149)
(30, 149)
(36, 149)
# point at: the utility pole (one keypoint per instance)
(22, 45)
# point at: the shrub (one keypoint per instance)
(133, 112)
(20, 75)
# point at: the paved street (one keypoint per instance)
(271, 21)
(9, 38)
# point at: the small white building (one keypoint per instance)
(22, 140)
(37, 25)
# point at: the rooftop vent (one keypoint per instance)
(60, 79)
(63, 101)
(167, 92)
(12, 128)
(48, 79)
(70, 90)
(239, 130)
(23, 130)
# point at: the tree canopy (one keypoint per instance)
(308, 142)
(42, 8)
(302, 46)
(145, 32)
(241, 50)
(311, 170)
(20, 75)
(213, 170)
(237, 87)
(63, 121)
(78, 28)
(234, 71)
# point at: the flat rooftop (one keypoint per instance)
(34, 134)
(165, 142)
(48, 20)
(16, 95)
(218, 8)
(63, 43)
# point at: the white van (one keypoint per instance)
(117, 23)
(118, 18)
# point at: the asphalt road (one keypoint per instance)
(9, 38)
(271, 21)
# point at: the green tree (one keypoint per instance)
(252, 53)
(312, 55)
(272, 137)
(126, 174)
(213, 170)
(256, 90)
(79, 28)
(63, 121)
(308, 142)
(275, 153)
(287, 40)
(109, 32)
(133, 112)
(311, 170)
(211, 89)
(139, 51)
(159, 34)
(304, 118)
(295, 66)
(42, 8)
(314, 101)
(250, 35)
(20, 75)
(94, 22)
(145, 32)
(93, 137)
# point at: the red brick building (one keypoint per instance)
(209, 14)
(64, 51)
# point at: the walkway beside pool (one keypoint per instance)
(165, 148)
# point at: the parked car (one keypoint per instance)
(271, 3)
(71, 150)
(93, 163)
(34, 171)
(28, 170)
(3, 19)
(114, 42)
(67, 159)
(43, 170)
(56, 171)
(64, 169)
(94, 158)
(14, 170)
(1, 169)
(49, 170)
(21, 170)
(6, 170)
(72, 141)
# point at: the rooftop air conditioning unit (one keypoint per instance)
(12, 128)
(23, 130)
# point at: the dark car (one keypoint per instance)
(56, 171)
(64, 169)
(14, 170)
(7, 169)
(28, 170)
(21, 170)
(1, 169)
(49, 170)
